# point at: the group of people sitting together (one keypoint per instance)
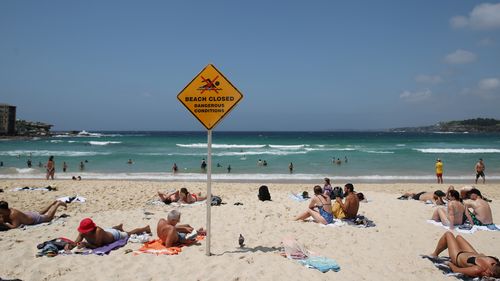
(328, 203)
(454, 208)
(457, 207)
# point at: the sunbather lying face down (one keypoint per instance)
(96, 236)
(13, 218)
(465, 259)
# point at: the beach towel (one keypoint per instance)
(104, 250)
(68, 199)
(441, 264)
(156, 247)
(297, 197)
(293, 250)
(322, 264)
(27, 188)
(360, 222)
(139, 238)
(467, 228)
(158, 202)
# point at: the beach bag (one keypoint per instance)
(337, 192)
(264, 194)
(216, 201)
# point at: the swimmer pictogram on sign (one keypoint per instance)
(210, 96)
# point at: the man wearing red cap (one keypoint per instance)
(96, 236)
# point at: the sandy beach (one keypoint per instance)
(388, 251)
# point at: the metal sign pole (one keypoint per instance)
(209, 188)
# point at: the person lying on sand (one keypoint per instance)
(454, 213)
(465, 259)
(320, 208)
(183, 196)
(349, 208)
(171, 233)
(437, 197)
(13, 218)
(96, 236)
(481, 214)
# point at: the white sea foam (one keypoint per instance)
(299, 146)
(458, 150)
(103, 142)
(328, 149)
(378, 151)
(242, 177)
(204, 145)
(401, 144)
(56, 141)
(51, 153)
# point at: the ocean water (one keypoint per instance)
(371, 156)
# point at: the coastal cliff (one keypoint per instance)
(478, 125)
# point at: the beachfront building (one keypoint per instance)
(7, 119)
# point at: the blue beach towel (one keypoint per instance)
(104, 250)
(322, 264)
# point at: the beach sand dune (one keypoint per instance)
(389, 251)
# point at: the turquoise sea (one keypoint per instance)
(372, 156)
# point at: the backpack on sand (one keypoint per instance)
(264, 194)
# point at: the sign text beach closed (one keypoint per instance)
(210, 96)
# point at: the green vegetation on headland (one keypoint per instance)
(478, 125)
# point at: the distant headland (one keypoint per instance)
(478, 125)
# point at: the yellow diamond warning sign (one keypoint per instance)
(210, 96)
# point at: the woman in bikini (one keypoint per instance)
(51, 168)
(320, 208)
(190, 198)
(454, 213)
(465, 259)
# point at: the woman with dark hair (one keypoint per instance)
(51, 168)
(189, 198)
(320, 208)
(465, 259)
(455, 213)
(327, 188)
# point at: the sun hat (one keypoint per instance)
(86, 225)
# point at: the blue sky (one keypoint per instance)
(301, 65)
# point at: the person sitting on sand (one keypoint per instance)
(320, 208)
(454, 213)
(96, 236)
(481, 214)
(465, 259)
(171, 233)
(436, 197)
(349, 208)
(13, 218)
(327, 188)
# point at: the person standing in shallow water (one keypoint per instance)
(439, 170)
(290, 167)
(51, 168)
(480, 167)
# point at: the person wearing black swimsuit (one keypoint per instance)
(465, 259)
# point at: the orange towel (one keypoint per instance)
(156, 247)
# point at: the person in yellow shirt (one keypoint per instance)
(439, 170)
